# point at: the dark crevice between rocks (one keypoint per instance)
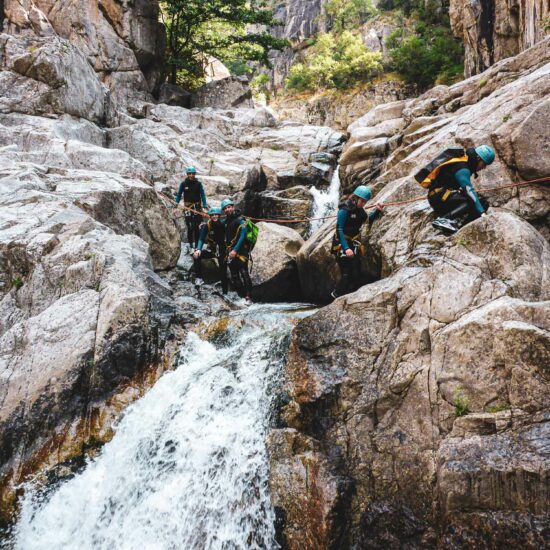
(487, 24)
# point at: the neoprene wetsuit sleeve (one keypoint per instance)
(373, 215)
(340, 222)
(203, 196)
(180, 193)
(242, 234)
(202, 236)
(463, 178)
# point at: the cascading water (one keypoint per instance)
(325, 202)
(187, 467)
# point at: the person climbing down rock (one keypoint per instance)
(346, 244)
(450, 190)
(238, 248)
(192, 191)
(211, 244)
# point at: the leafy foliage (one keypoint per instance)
(347, 14)
(197, 29)
(335, 61)
(461, 403)
(425, 57)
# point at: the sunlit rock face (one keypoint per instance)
(495, 29)
(88, 166)
(418, 405)
(123, 42)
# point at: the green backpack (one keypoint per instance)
(252, 231)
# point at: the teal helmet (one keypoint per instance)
(215, 210)
(363, 192)
(191, 170)
(226, 202)
(486, 154)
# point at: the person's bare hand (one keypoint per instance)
(232, 254)
(197, 254)
(379, 206)
(350, 253)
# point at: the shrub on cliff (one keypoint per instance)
(430, 55)
(349, 14)
(335, 61)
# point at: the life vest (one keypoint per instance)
(434, 174)
(233, 227)
(352, 227)
(215, 237)
(192, 192)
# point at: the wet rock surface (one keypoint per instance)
(418, 409)
(92, 301)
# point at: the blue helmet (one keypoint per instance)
(191, 170)
(486, 154)
(226, 202)
(214, 210)
(363, 192)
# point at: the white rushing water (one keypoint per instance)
(187, 467)
(325, 202)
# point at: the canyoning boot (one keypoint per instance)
(447, 226)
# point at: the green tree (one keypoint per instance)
(334, 61)
(428, 56)
(197, 29)
(347, 14)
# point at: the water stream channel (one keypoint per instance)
(187, 467)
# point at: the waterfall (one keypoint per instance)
(325, 202)
(187, 467)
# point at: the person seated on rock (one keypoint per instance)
(238, 249)
(212, 245)
(346, 245)
(451, 193)
(192, 191)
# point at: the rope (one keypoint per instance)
(386, 204)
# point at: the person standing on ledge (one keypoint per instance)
(450, 191)
(238, 247)
(346, 244)
(212, 244)
(192, 191)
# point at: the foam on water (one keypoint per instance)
(187, 467)
(325, 202)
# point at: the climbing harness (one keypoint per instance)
(526, 183)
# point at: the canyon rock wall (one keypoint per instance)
(495, 29)
(418, 405)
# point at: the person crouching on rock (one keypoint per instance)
(212, 244)
(192, 191)
(238, 248)
(346, 244)
(451, 193)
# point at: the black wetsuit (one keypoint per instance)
(235, 239)
(452, 194)
(348, 227)
(212, 245)
(193, 197)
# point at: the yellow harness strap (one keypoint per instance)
(431, 177)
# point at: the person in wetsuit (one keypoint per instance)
(238, 249)
(452, 195)
(192, 191)
(211, 244)
(346, 244)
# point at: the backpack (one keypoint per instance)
(252, 231)
(427, 175)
